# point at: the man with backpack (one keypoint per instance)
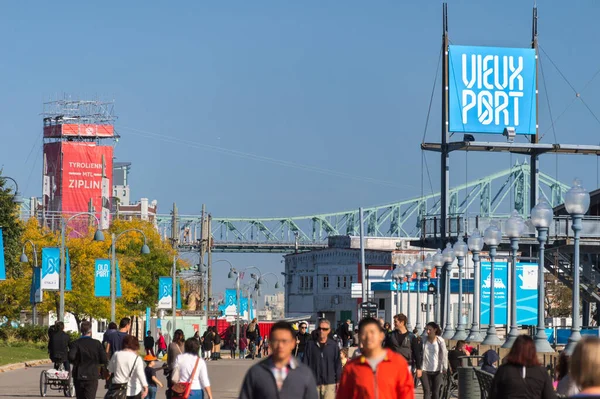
(406, 344)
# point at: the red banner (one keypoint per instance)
(75, 173)
(79, 130)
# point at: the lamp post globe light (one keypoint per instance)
(438, 262)
(492, 237)
(460, 251)
(448, 254)
(577, 202)
(408, 271)
(475, 243)
(397, 277)
(418, 269)
(513, 229)
(541, 217)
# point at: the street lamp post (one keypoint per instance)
(397, 277)
(492, 237)
(418, 268)
(234, 272)
(23, 259)
(514, 229)
(98, 236)
(113, 269)
(438, 262)
(448, 254)
(475, 243)
(460, 251)
(17, 199)
(408, 271)
(541, 217)
(428, 263)
(577, 202)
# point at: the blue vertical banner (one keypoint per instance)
(243, 305)
(119, 293)
(165, 292)
(50, 268)
(230, 298)
(148, 316)
(2, 266)
(102, 278)
(67, 271)
(178, 295)
(491, 89)
(500, 292)
(527, 293)
(36, 293)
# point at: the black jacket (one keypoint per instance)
(58, 346)
(509, 383)
(87, 354)
(259, 383)
(324, 361)
(303, 338)
(407, 345)
(148, 342)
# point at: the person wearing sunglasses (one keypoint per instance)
(322, 356)
(302, 337)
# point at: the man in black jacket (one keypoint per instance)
(405, 343)
(323, 358)
(280, 375)
(86, 354)
(58, 346)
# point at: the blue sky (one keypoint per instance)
(342, 86)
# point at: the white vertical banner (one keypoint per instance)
(46, 191)
(105, 212)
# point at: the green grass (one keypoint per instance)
(20, 353)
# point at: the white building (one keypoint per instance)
(319, 282)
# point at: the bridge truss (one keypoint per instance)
(491, 196)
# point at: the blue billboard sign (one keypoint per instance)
(165, 293)
(102, 279)
(492, 88)
(2, 267)
(527, 292)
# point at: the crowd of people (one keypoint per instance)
(371, 361)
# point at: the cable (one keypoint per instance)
(241, 154)
(551, 118)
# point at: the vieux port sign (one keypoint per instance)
(492, 88)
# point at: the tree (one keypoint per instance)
(558, 298)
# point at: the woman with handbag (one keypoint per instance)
(175, 349)
(128, 376)
(190, 376)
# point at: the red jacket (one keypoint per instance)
(391, 380)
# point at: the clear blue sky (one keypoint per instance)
(340, 85)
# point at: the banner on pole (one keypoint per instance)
(67, 271)
(50, 269)
(35, 292)
(2, 266)
(165, 293)
(119, 293)
(102, 278)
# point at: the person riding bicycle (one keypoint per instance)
(406, 344)
(58, 346)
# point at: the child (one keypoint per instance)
(150, 371)
(344, 356)
(243, 346)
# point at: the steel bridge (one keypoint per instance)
(492, 196)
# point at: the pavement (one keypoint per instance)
(225, 376)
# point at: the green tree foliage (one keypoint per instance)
(558, 298)
(11, 228)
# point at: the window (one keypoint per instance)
(381, 303)
(325, 281)
(301, 282)
(345, 283)
(311, 283)
(339, 281)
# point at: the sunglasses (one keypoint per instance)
(323, 329)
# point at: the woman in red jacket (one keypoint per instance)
(378, 372)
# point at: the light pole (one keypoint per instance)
(541, 217)
(408, 271)
(234, 272)
(428, 266)
(418, 268)
(17, 199)
(397, 277)
(448, 254)
(460, 251)
(438, 262)
(492, 237)
(113, 270)
(23, 259)
(577, 202)
(98, 236)
(514, 229)
(475, 243)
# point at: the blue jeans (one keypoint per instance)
(196, 394)
(152, 392)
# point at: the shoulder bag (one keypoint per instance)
(119, 391)
(183, 389)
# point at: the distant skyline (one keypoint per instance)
(283, 108)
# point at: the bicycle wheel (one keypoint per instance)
(43, 384)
